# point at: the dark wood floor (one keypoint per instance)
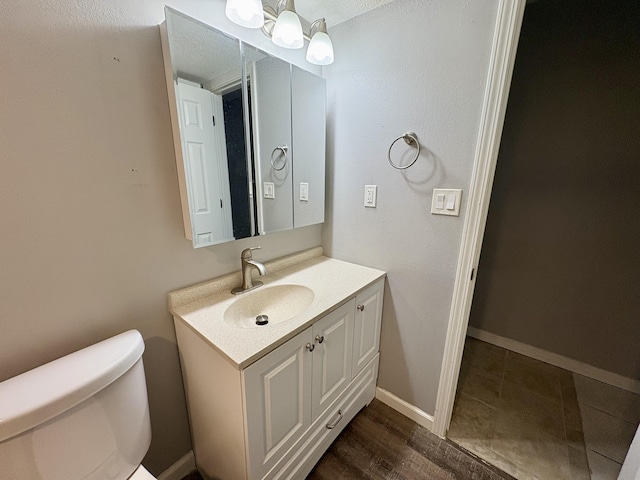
(382, 444)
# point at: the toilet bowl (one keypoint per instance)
(83, 416)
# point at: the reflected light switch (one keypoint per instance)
(269, 190)
(370, 194)
(304, 192)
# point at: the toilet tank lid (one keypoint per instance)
(38, 395)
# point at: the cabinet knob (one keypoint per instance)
(311, 347)
(319, 338)
(360, 307)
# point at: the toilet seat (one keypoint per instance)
(141, 473)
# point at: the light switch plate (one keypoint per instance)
(370, 194)
(446, 202)
(304, 192)
(269, 190)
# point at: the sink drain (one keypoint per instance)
(262, 320)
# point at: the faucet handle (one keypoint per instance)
(246, 253)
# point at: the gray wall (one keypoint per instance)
(559, 266)
(91, 235)
(409, 65)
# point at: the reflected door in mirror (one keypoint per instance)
(205, 156)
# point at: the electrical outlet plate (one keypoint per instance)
(446, 202)
(370, 194)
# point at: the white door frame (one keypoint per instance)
(631, 466)
(503, 53)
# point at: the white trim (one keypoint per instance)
(505, 42)
(631, 466)
(184, 81)
(405, 408)
(181, 468)
(558, 360)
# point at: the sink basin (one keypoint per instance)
(279, 303)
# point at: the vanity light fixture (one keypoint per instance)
(283, 27)
(287, 32)
(246, 13)
(320, 51)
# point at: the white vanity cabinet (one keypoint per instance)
(276, 417)
(288, 389)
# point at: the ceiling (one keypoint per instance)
(200, 53)
(334, 11)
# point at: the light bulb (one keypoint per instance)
(320, 51)
(246, 13)
(287, 32)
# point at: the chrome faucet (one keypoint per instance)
(248, 263)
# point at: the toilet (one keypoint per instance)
(83, 416)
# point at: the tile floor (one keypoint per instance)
(538, 421)
(610, 417)
(519, 414)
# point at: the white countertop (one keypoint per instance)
(201, 307)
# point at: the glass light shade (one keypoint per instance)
(287, 32)
(320, 51)
(246, 13)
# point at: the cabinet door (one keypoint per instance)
(368, 318)
(271, 120)
(308, 126)
(278, 402)
(333, 339)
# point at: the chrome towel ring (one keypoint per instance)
(283, 149)
(410, 139)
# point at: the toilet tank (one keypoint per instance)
(83, 416)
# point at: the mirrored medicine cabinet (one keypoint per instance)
(249, 135)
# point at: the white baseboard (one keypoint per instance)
(558, 360)
(405, 408)
(181, 468)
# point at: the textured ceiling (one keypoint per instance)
(334, 11)
(200, 53)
